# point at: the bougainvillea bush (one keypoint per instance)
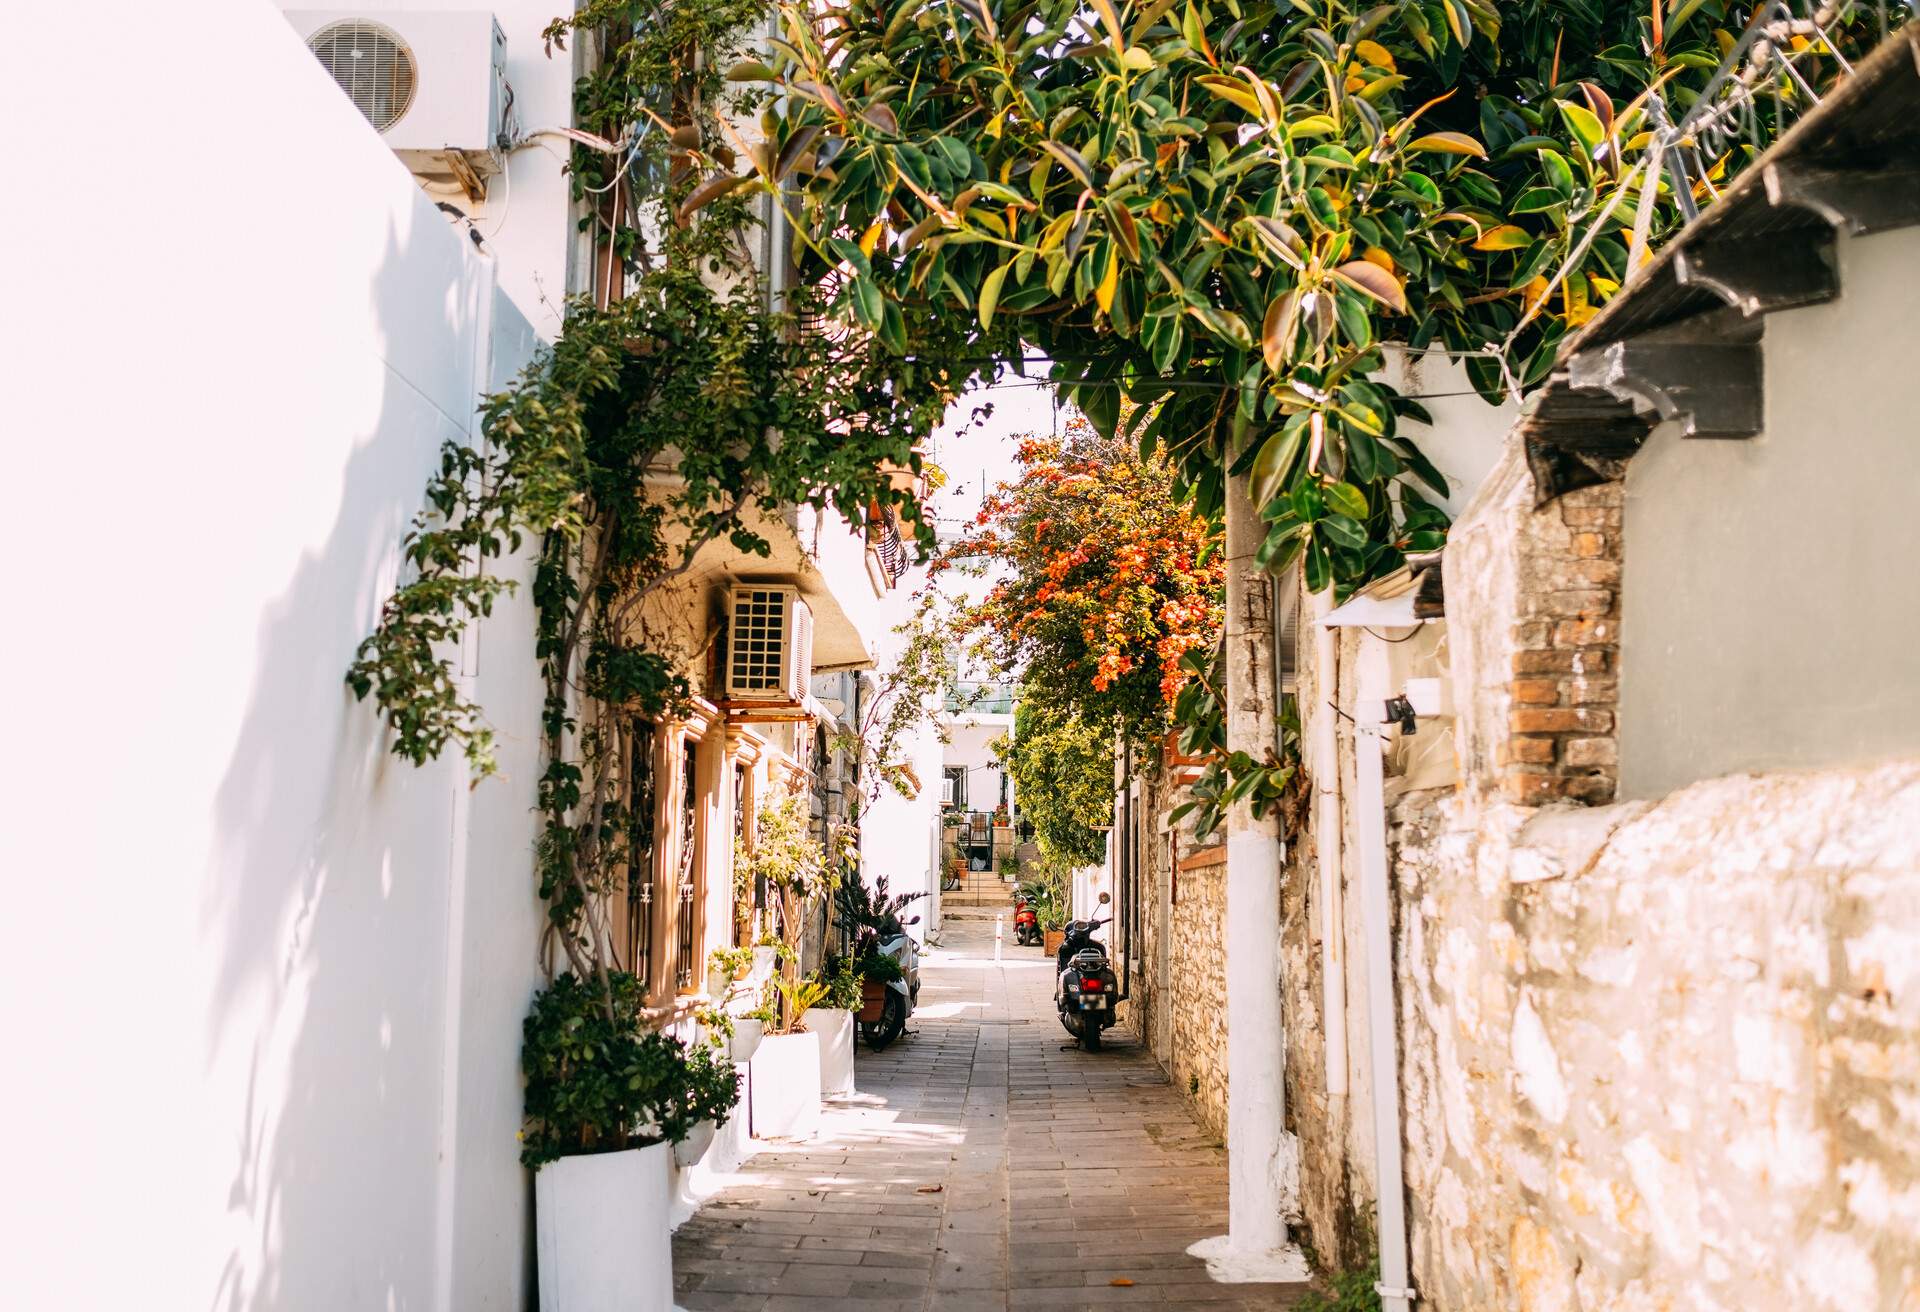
(1109, 579)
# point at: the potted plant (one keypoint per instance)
(832, 1019)
(768, 954)
(876, 970)
(725, 966)
(783, 1082)
(606, 1100)
(1052, 913)
(749, 1030)
(709, 1093)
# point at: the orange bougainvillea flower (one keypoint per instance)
(1109, 579)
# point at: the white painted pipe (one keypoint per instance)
(999, 923)
(1324, 766)
(1396, 1293)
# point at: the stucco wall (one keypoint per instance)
(269, 978)
(1769, 602)
(1662, 1055)
(524, 218)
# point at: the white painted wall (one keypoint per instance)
(266, 981)
(1768, 618)
(970, 746)
(524, 217)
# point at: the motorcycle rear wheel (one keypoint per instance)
(893, 1020)
(1089, 1036)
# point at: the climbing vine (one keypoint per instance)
(681, 408)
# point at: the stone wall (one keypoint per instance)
(1181, 1012)
(1665, 1056)
(1197, 983)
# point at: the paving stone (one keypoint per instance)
(984, 1165)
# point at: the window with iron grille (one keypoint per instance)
(689, 817)
(640, 855)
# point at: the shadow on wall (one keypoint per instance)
(334, 906)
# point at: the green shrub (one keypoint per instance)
(600, 1082)
(841, 978)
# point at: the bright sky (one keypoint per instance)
(982, 456)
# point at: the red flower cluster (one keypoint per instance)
(1111, 580)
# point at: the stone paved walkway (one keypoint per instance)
(979, 1167)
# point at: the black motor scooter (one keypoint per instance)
(1085, 990)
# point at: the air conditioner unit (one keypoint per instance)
(434, 85)
(769, 643)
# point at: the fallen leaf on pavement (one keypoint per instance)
(929, 1188)
(1121, 1282)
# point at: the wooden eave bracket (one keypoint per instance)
(1856, 201)
(1711, 389)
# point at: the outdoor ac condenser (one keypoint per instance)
(769, 643)
(434, 85)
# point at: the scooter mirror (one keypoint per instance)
(1105, 898)
(911, 920)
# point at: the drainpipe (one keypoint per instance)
(1396, 1293)
(1324, 773)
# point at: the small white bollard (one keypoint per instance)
(999, 927)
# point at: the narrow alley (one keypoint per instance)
(983, 1164)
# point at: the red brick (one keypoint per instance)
(1591, 788)
(1559, 719)
(1590, 545)
(1593, 692)
(1584, 633)
(1532, 633)
(1587, 752)
(1532, 789)
(1546, 662)
(1535, 692)
(1601, 573)
(1587, 603)
(1528, 751)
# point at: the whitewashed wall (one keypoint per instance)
(264, 981)
(542, 259)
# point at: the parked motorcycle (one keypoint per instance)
(1026, 921)
(1085, 990)
(892, 940)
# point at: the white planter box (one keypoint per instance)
(783, 1086)
(603, 1231)
(835, 1028)
(747, 1031)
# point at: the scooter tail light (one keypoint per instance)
(1092, 985)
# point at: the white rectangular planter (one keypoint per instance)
(603, 1231)
(783, 1085)
(834, 1025)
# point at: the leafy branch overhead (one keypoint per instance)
(1219, 209)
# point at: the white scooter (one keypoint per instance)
(902, 993)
